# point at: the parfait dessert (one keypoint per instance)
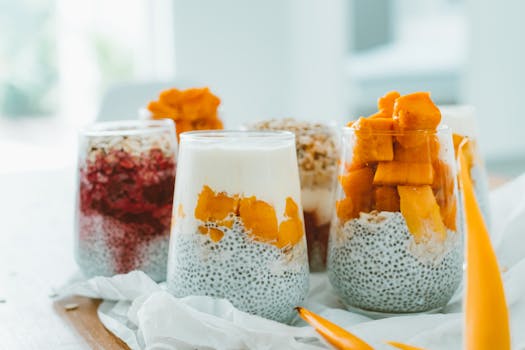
(237, 228)
(395, 244)
(317, 156)
(190, 109)
(124, 202)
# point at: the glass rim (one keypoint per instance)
(127, 127)
(328, 128)
(222, 135)
(440, 130)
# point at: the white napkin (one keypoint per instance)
(145, 316)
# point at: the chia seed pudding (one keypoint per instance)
(317, 156)
(395, 245)
(126, 185)
(376, 265)
(256, 277)
(238, 227)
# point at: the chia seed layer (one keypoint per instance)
(375, 265)
(125, 203)
(256, 277)
(96, 257)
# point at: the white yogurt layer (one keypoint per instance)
(319, 201)
(242, 166)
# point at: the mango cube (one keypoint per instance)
(373, 140)
(401, 173)
(421, 213)
(386, 198)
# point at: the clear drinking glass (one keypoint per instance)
(395, 244)
(317, 155)
(125, 197)
(238, 229)
(462, 121)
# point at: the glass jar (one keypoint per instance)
(461, 120)
(238, 229)
(125, 197)
(317, 155)
(395, 245)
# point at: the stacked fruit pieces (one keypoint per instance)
(191, 109)
(396, 166)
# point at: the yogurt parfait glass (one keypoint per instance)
(125, 197)
(395, 245)
(317, 155)
(238, 230)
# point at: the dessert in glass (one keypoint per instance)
(395, 244)
(317, 156)
(461, 120)
(238, 230)
(125, 197)
(190, 109)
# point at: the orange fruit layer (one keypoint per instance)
(357, 185)
(386, 198)
(416, 112)
(258, 217)
(421, 212)
(426, 150)
(370, 145)
(381, 161)
(192, 109)
(401, 173)
(385, 105)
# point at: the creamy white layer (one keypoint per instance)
(319, 201)
(263, 168)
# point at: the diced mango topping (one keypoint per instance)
(421, 212)
(215, 234)
(416, 112)
(357, 185)
(291, 230)
(385, 105)
(345, 209)
(214, 207)
(386, 198)
(192, 109)
(400, 173)
(395, 147)
(258, 217)
(373, 142)
(426, 150)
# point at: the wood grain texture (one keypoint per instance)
(36, 258)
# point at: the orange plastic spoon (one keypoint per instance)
(335, 335)
(403, 346)
(486, 313)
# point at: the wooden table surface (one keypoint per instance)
(36, 258)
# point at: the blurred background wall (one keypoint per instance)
(64, 63)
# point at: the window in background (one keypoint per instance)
(414, 45)
(57, 57)
(28, 58)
